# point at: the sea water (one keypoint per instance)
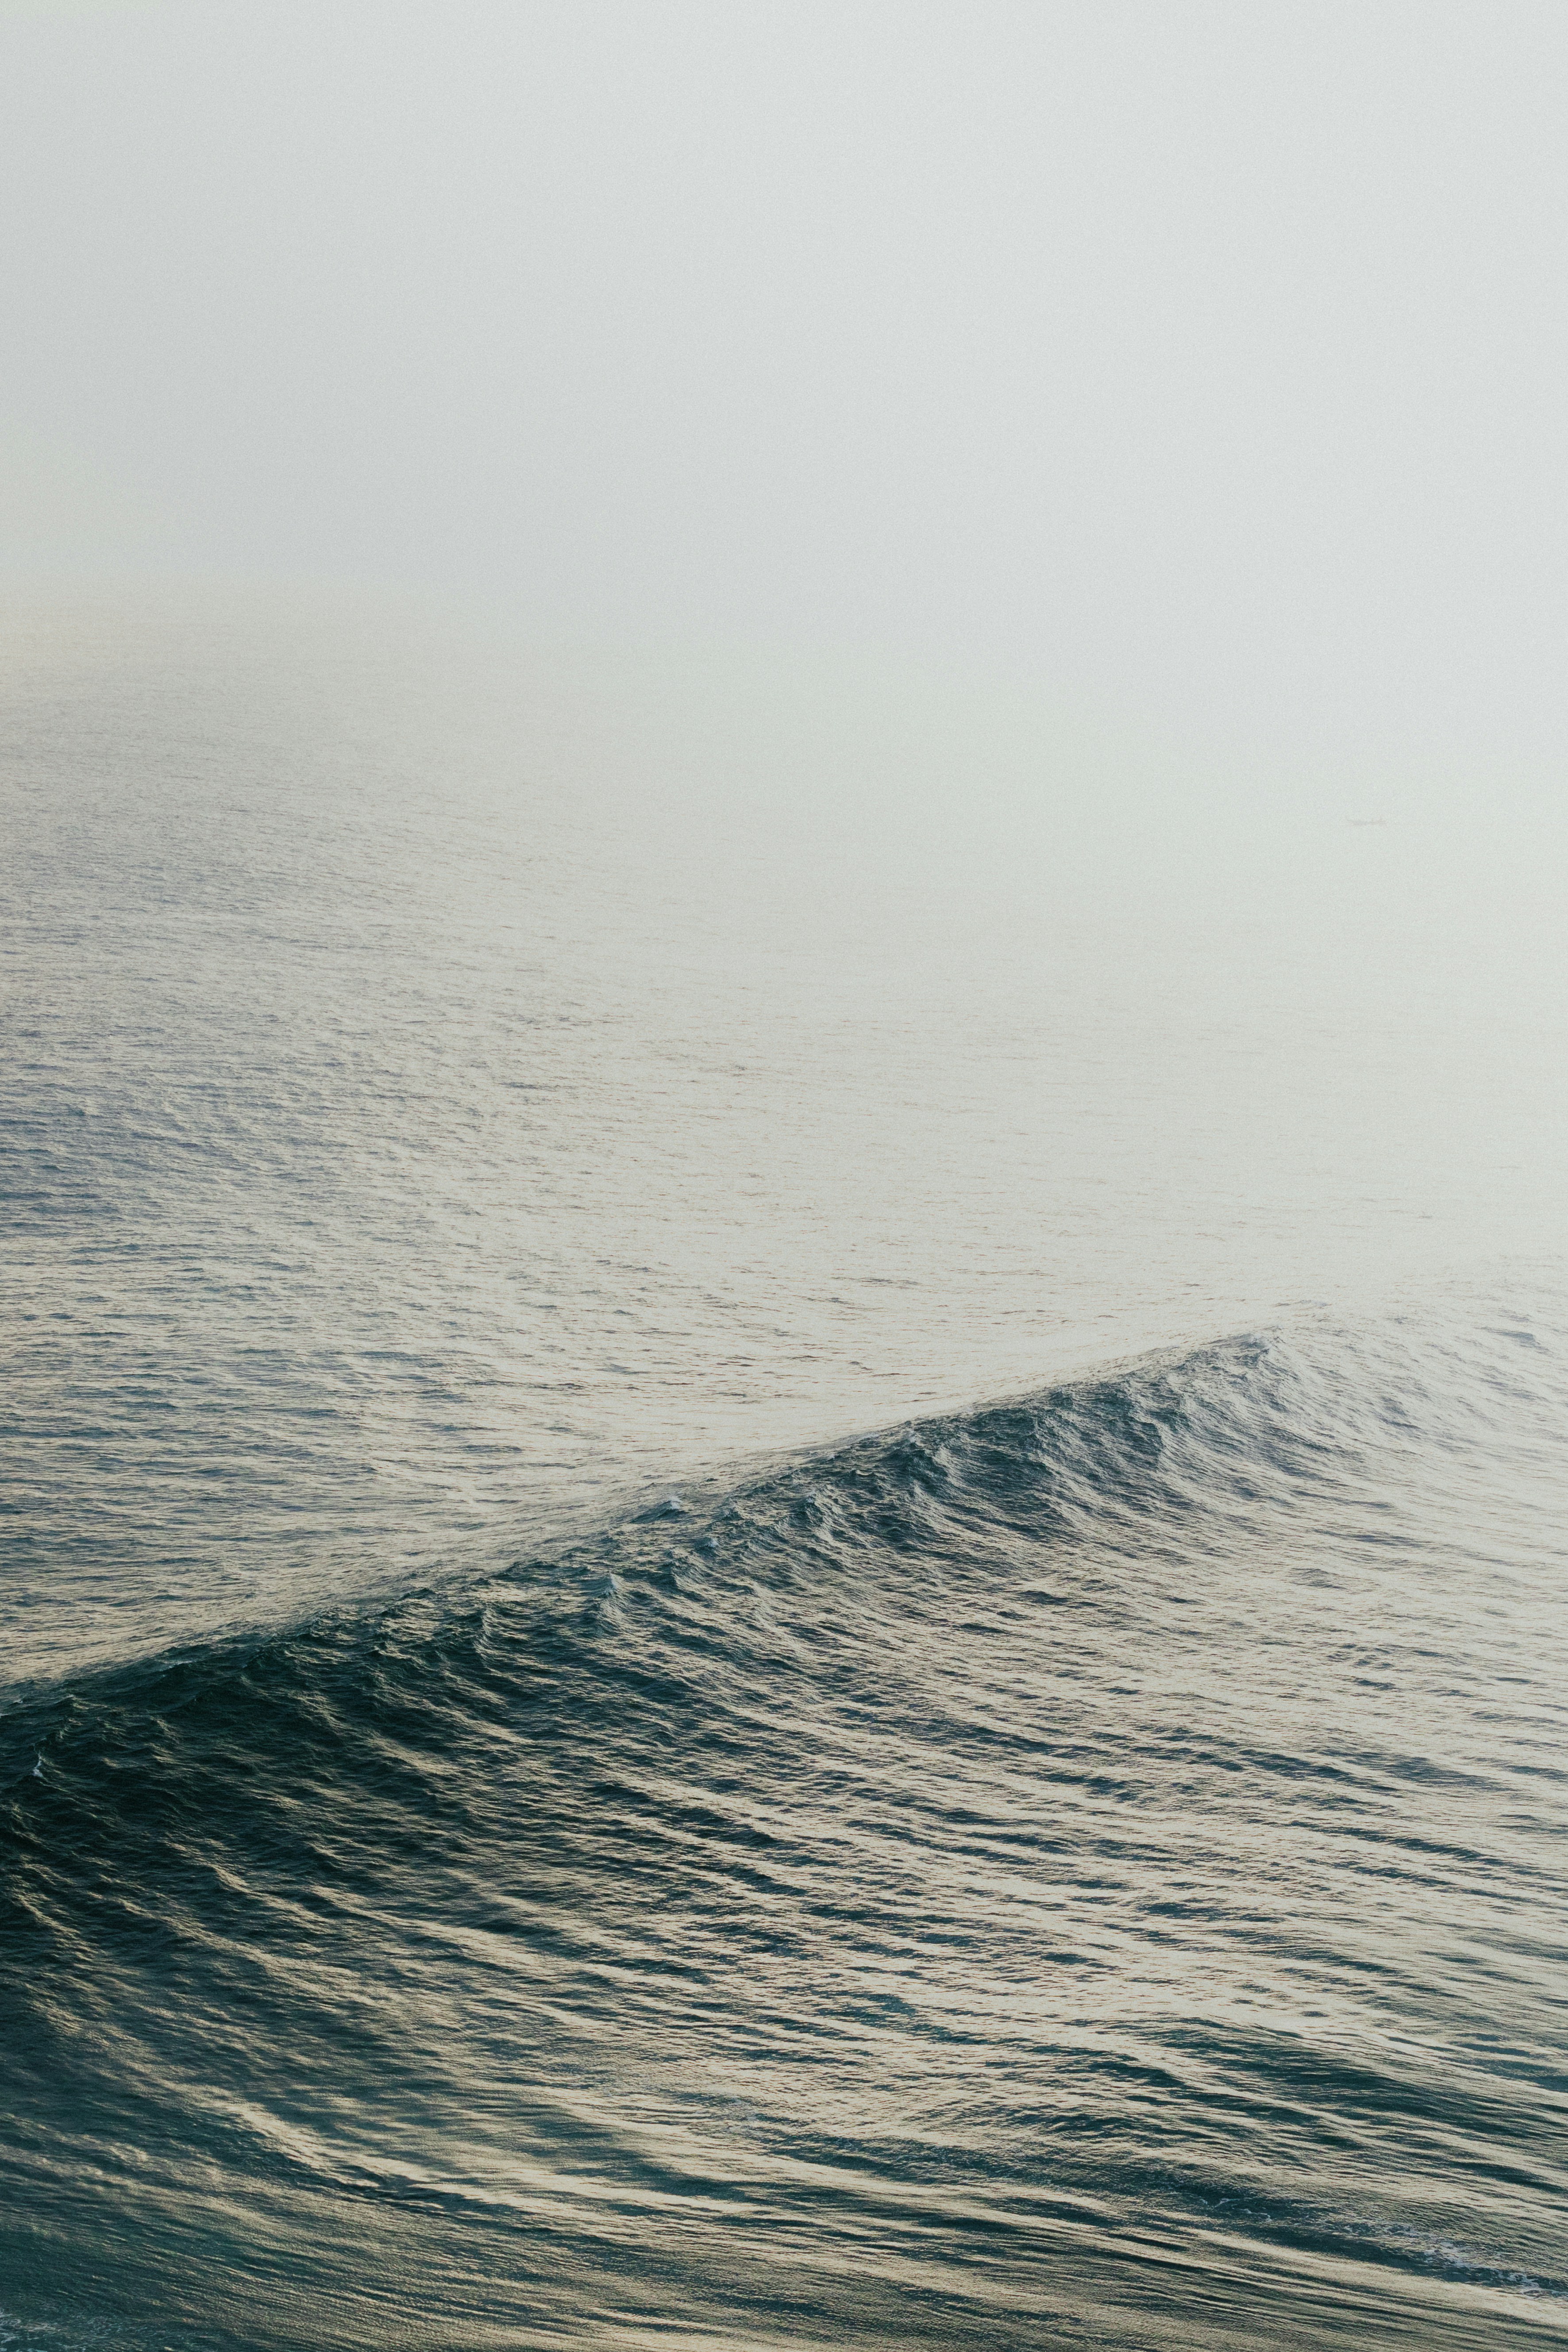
(784, 1519)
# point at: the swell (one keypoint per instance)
(1099, 1459)
(1110, 1822)
(1176, 1448)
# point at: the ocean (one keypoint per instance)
(784, 1503)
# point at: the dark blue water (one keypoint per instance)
(514, 1832)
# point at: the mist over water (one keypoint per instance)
(524, 1823)
(784, 1335)
(445, 1084)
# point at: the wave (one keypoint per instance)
(1084, 1863)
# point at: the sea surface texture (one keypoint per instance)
(782, 1567)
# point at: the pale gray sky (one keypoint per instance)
(1206, 361)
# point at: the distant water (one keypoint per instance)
(521, 1825)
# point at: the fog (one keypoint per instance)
(1199, 367)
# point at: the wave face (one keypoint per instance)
(1080, 1872)
(1085, 1872)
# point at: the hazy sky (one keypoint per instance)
(1205, 360)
